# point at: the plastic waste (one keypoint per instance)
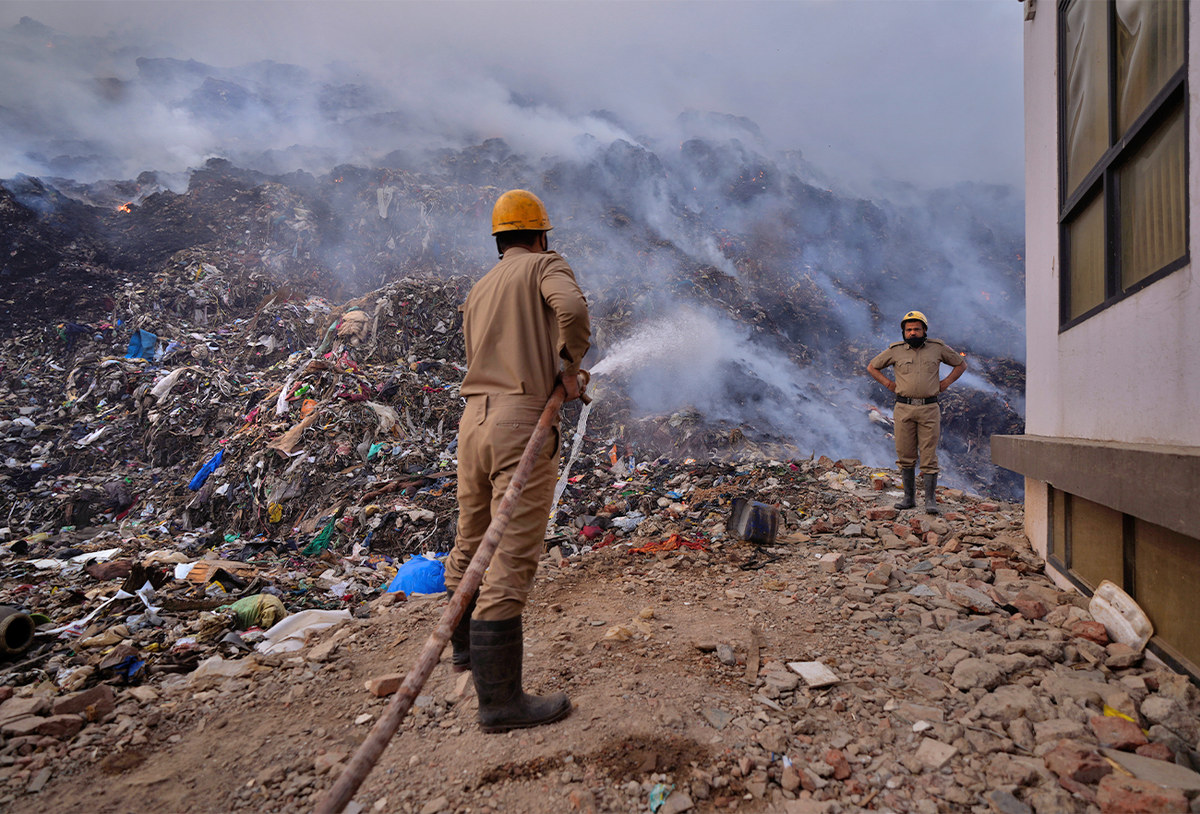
(142, 345)
(321, 541)
(659, 795)
(260, 610)
(629, 522)
(200, 477)
(290, 634)
(752, 521)
(1120, 615)
(420, 575)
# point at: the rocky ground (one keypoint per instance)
(956, 677)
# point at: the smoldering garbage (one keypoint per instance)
(168, 508)
(232, 435)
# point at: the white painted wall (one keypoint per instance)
(1132, 372)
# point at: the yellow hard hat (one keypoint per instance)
(917, 315)
(519, 209)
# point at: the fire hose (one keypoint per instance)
(368, 753)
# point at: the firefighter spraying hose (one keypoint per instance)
(526, 330)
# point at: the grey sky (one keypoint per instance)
(927, 91)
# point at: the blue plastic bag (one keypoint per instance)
(420, 575)
(200, 477)
(142, 345)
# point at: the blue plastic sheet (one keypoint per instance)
(142, 345)
(200, 477)
(420, 575)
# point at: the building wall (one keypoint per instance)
(1111, 452)
(1128, 373)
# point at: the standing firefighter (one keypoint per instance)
(917, 362)
(526, 327)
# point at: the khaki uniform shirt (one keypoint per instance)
(521, 320)
(917, 368)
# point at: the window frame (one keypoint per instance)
(1103, 179)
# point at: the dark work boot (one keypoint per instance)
(460, 639)
(909, 476)
(930, 479)
(496, 654)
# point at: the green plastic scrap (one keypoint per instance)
(320, 542)
(375, 449)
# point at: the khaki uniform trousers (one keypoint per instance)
(491, 439)
(918, 427)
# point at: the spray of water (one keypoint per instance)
(662, 344)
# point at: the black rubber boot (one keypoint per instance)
(460, 639)
(496, 655)
(930, 479)
(909, 476)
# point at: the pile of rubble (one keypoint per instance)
(863, 659)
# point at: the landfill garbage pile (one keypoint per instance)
(788, 370)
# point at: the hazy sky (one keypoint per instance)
(927, 91)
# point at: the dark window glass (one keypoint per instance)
(1123, 148)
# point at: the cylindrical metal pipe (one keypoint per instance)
(16, 631)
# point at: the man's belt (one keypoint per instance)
(907, 400)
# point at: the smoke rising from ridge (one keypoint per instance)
(654, 197)
(925, 92)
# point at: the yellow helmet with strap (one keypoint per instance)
(519, 210)
(918, 316)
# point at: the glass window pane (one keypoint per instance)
(1166, 573)
(1149, 52)
(1085, 72)
(1097, 542)
(1153, 216)
(1085, 264)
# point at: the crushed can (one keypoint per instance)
(752, 521)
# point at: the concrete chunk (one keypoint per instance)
(814, 673)
(935, 754)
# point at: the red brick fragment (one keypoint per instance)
(1156, 751)
(1092, 631)
(1030, 608)
(61, 727)
(1074, 761)
(841, 767)
(94, 703)
(1128, 795)
(381, 686)
(1117, 733)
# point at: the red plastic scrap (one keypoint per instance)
(672, 543)
(608, 540)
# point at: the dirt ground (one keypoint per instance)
(638, 704)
